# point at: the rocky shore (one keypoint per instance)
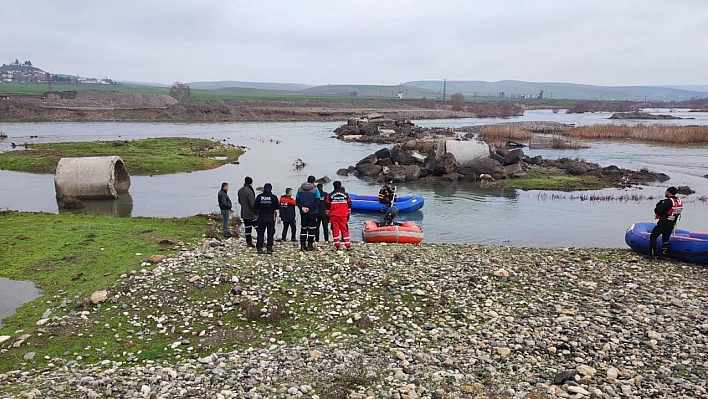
(381, 321)
(643, 115)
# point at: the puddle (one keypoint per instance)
(13, 294)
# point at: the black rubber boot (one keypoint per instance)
(664, 249)
(302, 245)
(310, 245)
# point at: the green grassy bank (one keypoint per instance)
(542, 179)
(153, 156)
(72, 256)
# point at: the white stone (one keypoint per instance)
(612, 373)
(503, 351)
(655, 335)
(501, 273)
(578, 389)
(99, 296)
(584, 369)
(4, 338)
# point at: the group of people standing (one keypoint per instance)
(316, 207)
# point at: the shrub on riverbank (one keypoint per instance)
(153, 156)
(648, 133)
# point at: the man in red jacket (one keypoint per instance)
(339, 207)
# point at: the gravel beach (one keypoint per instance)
(380, 321)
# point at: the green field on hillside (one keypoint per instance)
(327, 92)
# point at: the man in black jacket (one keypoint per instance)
(387, 194)
(308, 200)
(667, 211)
(322, 218)
(225, 207)
(267, 206)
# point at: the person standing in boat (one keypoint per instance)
(339, 208)
(667, 211)
(308, 200)
(387, 194)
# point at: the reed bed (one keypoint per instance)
(503, 133)
(555, 142)
(598, 197)
(648, 133)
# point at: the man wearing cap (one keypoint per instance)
(267, 206)
(667, 211)
(225, 207)
(246, 198)
(387, 194)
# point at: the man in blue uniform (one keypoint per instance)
(267, 205)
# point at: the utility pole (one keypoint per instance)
(444, 89)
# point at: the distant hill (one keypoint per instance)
(371, 91)
(23, 68)
(150, 84)
(558, 90)
(248, 85)
(700, 88)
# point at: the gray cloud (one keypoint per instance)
(628, 42)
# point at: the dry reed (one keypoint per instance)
(648, 133)
(499, 133)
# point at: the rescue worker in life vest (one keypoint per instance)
(667, 211)
(387, 194)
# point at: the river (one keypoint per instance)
(458, 213)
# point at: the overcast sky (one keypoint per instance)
(603, 42)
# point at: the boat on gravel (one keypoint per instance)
(370, 203)
(403, 233)
(689, 246)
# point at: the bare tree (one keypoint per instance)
(353, 93)
(457, 100)
(181, 92)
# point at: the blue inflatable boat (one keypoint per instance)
(689, 246)
(370, 203)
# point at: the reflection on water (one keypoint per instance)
(13, 294)
(461, 213)
(120, 207)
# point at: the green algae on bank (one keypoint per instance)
(152, 156)
(544, 179)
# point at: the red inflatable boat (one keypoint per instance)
(404, 233)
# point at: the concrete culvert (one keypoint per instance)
(465, 152)
(91, 178)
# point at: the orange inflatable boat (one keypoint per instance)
(404, 233)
